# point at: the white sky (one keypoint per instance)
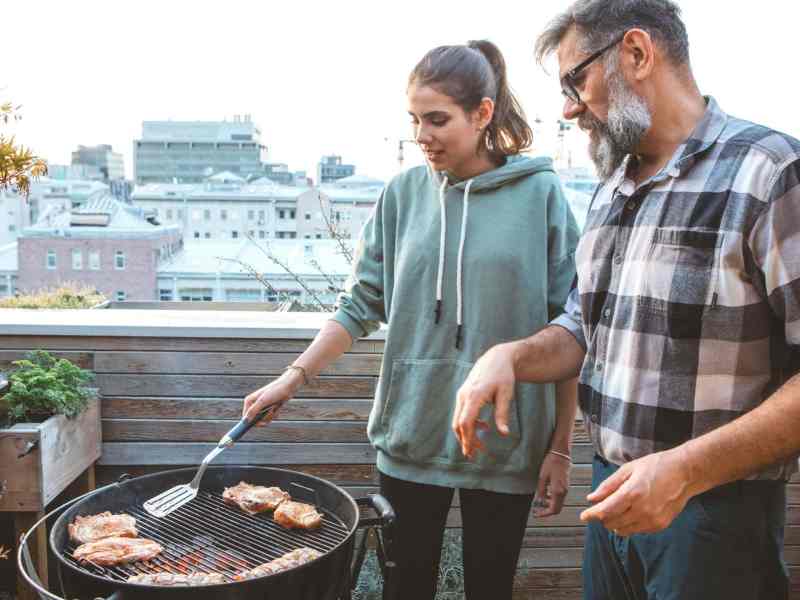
(329, 77)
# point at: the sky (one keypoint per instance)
(329, 77)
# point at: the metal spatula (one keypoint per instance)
(175, 497)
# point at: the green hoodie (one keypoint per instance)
(500, 269)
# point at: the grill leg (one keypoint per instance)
(23, 521)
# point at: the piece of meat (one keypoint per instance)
(296, 515)
(254, 499)
(96, 527)
(117, 550)
(290, 560)
(177, 579)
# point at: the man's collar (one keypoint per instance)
(705, 135)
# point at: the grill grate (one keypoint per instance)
(207, 535)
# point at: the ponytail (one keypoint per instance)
(470, 73)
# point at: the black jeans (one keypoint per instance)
(726, 544)
(493, 528)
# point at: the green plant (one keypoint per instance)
(17, 163)
(43, 385)
(69, 295)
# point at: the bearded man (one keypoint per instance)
(683, 325)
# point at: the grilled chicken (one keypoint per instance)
(96, 527)
(177, 579)
(254, 499)
(290, 560)
(117, 550)
(296, 515)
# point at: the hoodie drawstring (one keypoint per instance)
(460, 266)
(459, 285)
(442, 238)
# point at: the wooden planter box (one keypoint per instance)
(39, 460)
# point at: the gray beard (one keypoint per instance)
(628, 120)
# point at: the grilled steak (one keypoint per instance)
(96, 527)
(254, 499)
(177, 579)
(296, 515)
(290, 560)
(117, 550)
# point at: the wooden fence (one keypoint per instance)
(167, 399)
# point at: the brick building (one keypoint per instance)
(103, 244)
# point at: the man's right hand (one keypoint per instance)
(276, 392)
(491, 381)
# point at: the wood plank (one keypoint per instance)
(550, 558)
(344, 475)
(243, 453)
(548, 594)
(554, 537)
(299, 409)
(229, 363)
(93, 343)
(568, 517)
(228, 385)
(190, 430)
(20, 471)
(548, 578)
(82, 359)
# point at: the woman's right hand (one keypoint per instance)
(276, 392)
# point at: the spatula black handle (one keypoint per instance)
(243, 426)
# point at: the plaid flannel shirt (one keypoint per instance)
(688, 290)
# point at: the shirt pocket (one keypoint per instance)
(681, 272)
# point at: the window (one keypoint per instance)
(12, 227)
(291, 214)
(169, 214)
(234, 235)
(292, 234)
(308, 216)
(121, 296)
(223, 214)
(319, 236)
(207, 235)
(51, 259)
(207, 214)
(180, 214)
(261, 216)
(308, 236)
(196, 295)
(243, 295)
(281, 214)
(251, 214)
(165, 295)
(279, 235)
(262, 234)
(119, 260)
(77, 259)
(94, 260)
(251, 233)
(197, 214)
(197, 235)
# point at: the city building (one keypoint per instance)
(225, 207)
(74, 172)
(102, 157)
(330, 169)
(8, 269)
(219, 271)
(190, 151)
(103, 244)
(344, 205)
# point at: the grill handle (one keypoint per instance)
(381, 506)
(243, 426)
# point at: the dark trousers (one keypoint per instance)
(726, 544)
(493, 528)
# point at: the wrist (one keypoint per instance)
(694, 479)
(561, 455)
(294, 378)
(561, 444)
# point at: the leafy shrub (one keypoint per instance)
(66, 296)
(43, 385)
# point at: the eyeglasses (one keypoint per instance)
(569, 80)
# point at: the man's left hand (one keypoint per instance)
(644, 495)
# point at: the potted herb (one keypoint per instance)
(42, 386)
(51, 433)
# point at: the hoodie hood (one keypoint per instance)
(516, 167)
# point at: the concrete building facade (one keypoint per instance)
(109, 163)
(190, 151)
(330, 169)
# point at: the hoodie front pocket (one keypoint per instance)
(419, 411)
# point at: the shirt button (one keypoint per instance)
(618, 259)
(594, 418)
(607, 313)
(599, 366)
(631, 205)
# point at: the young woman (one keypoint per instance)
(473, 250)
